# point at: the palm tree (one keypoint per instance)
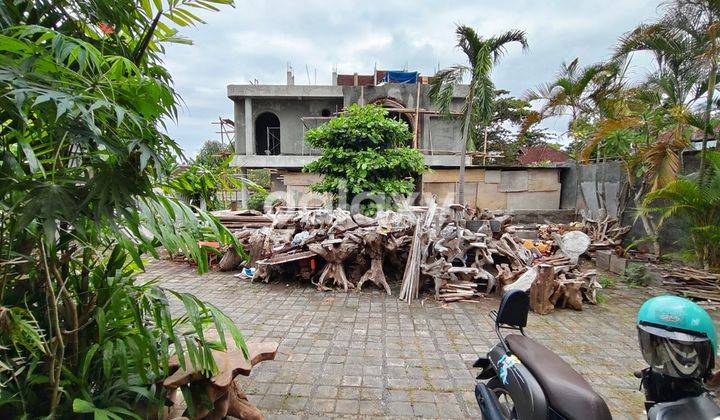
(685, 42)
(577, 93)
(482, 54)
(695, 204)
(574, 93)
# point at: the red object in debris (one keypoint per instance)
(215, 245)
(312, 263)
(107, 29)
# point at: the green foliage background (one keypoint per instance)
(83, 99)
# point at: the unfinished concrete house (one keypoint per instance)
(271, 121)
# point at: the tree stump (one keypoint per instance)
(335, 252)
(375, 249)
(230, 260)
(542, 289)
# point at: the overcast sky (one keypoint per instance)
(257, 39)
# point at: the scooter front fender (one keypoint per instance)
(524, 390)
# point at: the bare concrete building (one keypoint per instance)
(271, 121)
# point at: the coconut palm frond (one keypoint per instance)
(442, 86)
(531, 119)
(568, 69)
(605, 128)
(483, 88)
(654, 37)
(498, 43)
(681, 195)
(663, 160)
(469, 42)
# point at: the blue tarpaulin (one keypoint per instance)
(400, 77)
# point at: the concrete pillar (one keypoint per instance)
(249, 128)
(334, 78)
(290, 77)
(244, 191)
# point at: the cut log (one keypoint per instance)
(542, 289)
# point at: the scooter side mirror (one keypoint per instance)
(514, 309)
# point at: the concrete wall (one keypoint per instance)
(495, 189)
(579, 191)
(297, 185)
(580, 188)
(290, 103)
(289, 112)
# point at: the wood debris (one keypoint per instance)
(417, 247)
(699, 285)
(605, 231)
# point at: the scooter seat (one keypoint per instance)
(567, 392)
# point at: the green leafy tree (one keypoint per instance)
(83, 96)
(207, 186)
(213, 154)
(502, 132)
(482, 54)
(364, 152)
(211, 174)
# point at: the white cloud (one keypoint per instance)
(257, 39)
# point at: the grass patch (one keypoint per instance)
(606, 281)
(636, 275)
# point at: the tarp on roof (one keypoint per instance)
(392, 76)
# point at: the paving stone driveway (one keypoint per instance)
(364, 355)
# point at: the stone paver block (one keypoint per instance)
(400, 409)
(347, 406)
(363, 355)
(602, 259)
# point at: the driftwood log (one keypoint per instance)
(335, 252)
(542, 289)
(230, 260)
(374, 246)
(550, 288)
(221, 390)
(419, 245)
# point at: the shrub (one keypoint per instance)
(606, 281)
(636, 275)
(364, 152)
(83, 99)
(697, 206)
(257, 201)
